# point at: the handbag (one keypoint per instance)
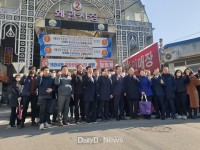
(19, 112)
(145, 106)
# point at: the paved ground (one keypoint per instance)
(117, 135)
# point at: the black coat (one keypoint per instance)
(170, 86)
(15, 90)
(132, 87)
(104, 88)
(117, 85)
(77, 81)
(181, 84)
(158, 88)
(43, 83)
(90, 87)
(26, 81)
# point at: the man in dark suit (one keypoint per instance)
(97, 110)
(104, 91)
(132, 92)
(77, 80)
(117, 89)
(169, 90)
(158, 89)
(90, 89)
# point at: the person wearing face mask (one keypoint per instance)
(193, 96)
(198, 87)
(53, 74)
(29, 95)
(181, 94)
(15, 99)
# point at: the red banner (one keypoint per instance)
(145, 59)
(104, 63)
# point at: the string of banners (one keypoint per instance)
(75, 47)
(69, 51)
(68, 40)
(72, 63)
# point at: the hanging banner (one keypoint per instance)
(3, 74)
(56, 64)
(8, 55)
(68, 51)
(147, 58)
(80, 41)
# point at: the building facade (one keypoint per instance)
(183, 54)
(125, 21)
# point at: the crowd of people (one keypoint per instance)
(63, 97)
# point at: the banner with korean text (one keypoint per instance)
(72, 63)
(80, 41)
(69, 51)
(147, 58)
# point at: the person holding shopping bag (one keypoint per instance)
(145, 87)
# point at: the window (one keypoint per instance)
(10, 3)
(1, 3)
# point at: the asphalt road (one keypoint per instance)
(113, 135)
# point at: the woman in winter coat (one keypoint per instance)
(192, 92)
(14, 100)
(181, 94)
(145, 87)
(104, 93)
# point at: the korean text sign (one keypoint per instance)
(69, 51)
(146, 59)
(77, 15)
(67, 40)
(72, 63)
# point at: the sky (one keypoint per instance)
(174, 20)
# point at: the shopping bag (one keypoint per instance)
(20, 110)
(145, 106)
